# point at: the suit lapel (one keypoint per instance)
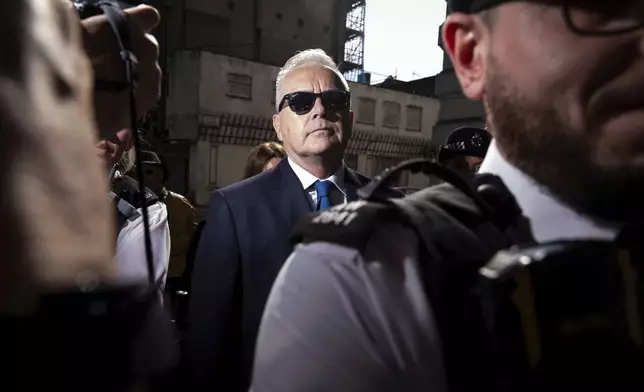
(291, 196)
(353, 182)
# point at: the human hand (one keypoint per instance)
(112, 108)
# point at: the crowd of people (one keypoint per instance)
(298, 279)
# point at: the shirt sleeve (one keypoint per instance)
(338, 320)
(130, 246)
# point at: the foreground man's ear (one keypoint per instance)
(463, 38)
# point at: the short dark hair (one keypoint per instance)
(260, 155)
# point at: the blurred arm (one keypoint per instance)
(340, 321)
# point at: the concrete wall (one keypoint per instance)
(182, 103)
(267, 31)
(214, 96)
(288, 26)
(430, 108)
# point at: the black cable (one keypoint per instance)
(428, 167)
(119, 23)
(140, 176)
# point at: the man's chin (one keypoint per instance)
(322, 146)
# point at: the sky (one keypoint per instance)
(401, 38)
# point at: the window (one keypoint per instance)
(391, 114)
(240, 86)
(414, 118)
(366, 111)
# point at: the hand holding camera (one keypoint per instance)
(112, 105)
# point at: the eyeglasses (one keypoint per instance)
(589, 17)
(603, 17)
(301, 102)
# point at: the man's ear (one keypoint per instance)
(462, 37)
(277, 126)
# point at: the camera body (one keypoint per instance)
(88, 8)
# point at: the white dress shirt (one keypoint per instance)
(339, 319)
(550, 219)
(338, 194)
(130, 247)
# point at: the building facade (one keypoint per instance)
(266, 31)
(222, 106)
(263, 31)
(456, 110)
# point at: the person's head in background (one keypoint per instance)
(155, 171)
(561, 82)
(464, 150)
(263, 157)
(313, 119)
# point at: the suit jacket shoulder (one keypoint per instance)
(255, 183)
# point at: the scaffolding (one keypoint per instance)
(353, 62)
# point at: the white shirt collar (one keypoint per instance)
(550, 219)
(307, 179)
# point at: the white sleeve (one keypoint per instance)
(130, 246)
(338, 320)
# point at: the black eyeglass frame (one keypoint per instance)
(568, 19)
(287, 97)
(566, 12)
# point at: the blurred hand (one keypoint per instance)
(112, 107)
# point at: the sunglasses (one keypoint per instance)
(301, 102)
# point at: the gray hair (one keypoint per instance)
(127, 161)
(306, 57)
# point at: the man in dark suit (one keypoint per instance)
(247, 237)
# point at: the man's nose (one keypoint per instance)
(318, 108)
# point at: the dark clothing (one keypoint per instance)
(377, 297)
(518, 323)
(191, 254)
(243, 247)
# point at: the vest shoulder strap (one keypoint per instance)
(350, 224)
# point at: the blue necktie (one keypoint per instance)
(322, 189)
